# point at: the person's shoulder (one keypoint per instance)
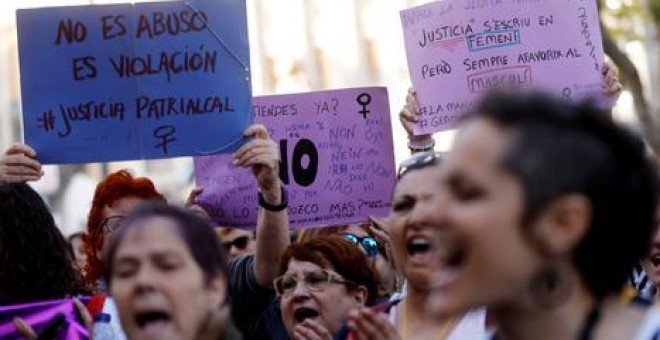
(630, 321)
(649, 328)
(241, 262)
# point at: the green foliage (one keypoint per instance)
(625, 23)
(654, 8)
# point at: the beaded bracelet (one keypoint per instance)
(413, 146)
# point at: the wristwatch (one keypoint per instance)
(279, 207)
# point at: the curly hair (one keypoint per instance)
(35, 261)
(114, 187)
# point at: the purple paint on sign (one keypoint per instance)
(336, 160)
(38, 315)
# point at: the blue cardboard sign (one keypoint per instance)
(121, 82)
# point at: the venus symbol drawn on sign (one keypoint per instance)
(364, 99)
(165, 133)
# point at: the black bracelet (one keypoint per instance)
(270, 207)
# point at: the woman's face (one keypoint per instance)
(159, 289)
(327, 304)
(651, 264)
(411, 225)
(115, 213)
(484, 258)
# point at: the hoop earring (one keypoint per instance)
(551, 287)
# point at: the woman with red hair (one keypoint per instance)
(115, 196)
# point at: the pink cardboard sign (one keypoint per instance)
(459, 49)
(336, 160)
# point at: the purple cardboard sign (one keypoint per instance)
(459, 49)
(336, 160)
(38, 315)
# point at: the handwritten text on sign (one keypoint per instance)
(459, 49)
(150, 80)
(336, 159)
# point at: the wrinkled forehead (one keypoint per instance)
(419, 181)
(151, 234)
(303, 267)
(122, 206)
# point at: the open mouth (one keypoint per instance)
(303, 313)
(451, 257)
(418, 245)
(655, 260)
(149, 319)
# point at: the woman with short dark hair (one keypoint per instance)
(167, 272)
(545, 207)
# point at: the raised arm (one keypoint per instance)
(408, 116)
(262, 155)
(18, 164)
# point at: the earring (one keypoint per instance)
(551, 287)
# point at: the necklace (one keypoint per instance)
(446, 327)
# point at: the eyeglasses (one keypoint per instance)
(418, 161)
(368, 243)
(312, 281)
(111, 223)
(239, 243)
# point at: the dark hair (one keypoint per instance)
(35, 261)
(198, 236)
(336, 253)
(560, 148)
(115, 186)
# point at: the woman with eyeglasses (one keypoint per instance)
(545, 207)
(321, 281)
(415, 252)
(115, 196)
(374, 241)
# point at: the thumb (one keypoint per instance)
(257, 130)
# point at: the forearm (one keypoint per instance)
(272, 237)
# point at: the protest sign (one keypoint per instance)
(459, 49)
(336, 160)
(40, 315)
(134, 81)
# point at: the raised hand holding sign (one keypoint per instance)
(335, 157)
(120, 82)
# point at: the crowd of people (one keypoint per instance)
(539, 223)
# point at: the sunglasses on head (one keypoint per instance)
(368, 243)
(418, 161)
(239, 243)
